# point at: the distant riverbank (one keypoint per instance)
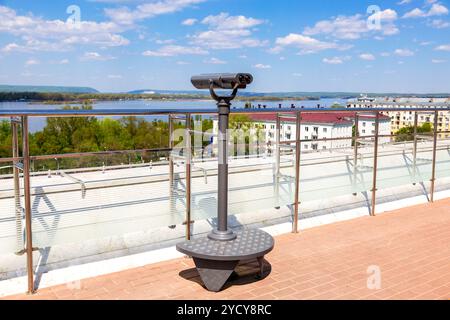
(71, 98)
(37, 124)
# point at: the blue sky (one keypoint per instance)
(322, 45)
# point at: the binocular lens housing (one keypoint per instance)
(227, 81)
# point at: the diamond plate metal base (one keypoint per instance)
(216, 260)
(215, 274)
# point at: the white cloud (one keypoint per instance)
(404, 2)
(439, 24)
(262, 66)
(11, 47)
(438, 61)
(385, 54)
(63, 61)
(296, 74)
(228, 32)
(95, 56)
(306, 44)
(57, 35)
(354, 27)
(367, 56)
(444, 47)
(404, 52)
(435, 10)
(125, 16)
(214, 61)
(182, 63)
(189, 22)
(336, 60)
(172, 50)
(114, 76)
(224, 21)
(167, 41)
(31, 62)
(415, 13)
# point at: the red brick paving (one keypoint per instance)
(411, 247)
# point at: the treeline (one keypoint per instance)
(80, 97)
(90, 134)
(58, 98)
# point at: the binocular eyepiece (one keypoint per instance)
(227, 81)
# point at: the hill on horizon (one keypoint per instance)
(46, 89)
(318, 94)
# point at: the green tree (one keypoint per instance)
(407, 133)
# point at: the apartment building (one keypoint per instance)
(318, 126)
(403, 119)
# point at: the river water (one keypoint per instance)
(38, 123)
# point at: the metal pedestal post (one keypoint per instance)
(222, 233)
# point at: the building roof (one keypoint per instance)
(334, 118)
(401, 101)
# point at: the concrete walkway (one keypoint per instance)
(403, 254)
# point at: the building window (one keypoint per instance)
(364, 131)
(325, 130)
(364, 124)
(272, 127)
(306, 129)
(289, 128)
(288, 136)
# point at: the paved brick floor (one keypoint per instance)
(411, 248)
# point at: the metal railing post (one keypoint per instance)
(18, 206)
(433, 170)
(297, 171)
(171, 167)
(27, 198)
(188, 150)
(277, 157)
(375, 164)
(416, 120)
(355, 151)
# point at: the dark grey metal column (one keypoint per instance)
(222, 233)
(217, 255)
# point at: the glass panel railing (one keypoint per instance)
(253, 182)
(331, 171)
(11, 211)
(76, 205)
(443, 156)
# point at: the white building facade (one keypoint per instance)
(318, 131)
